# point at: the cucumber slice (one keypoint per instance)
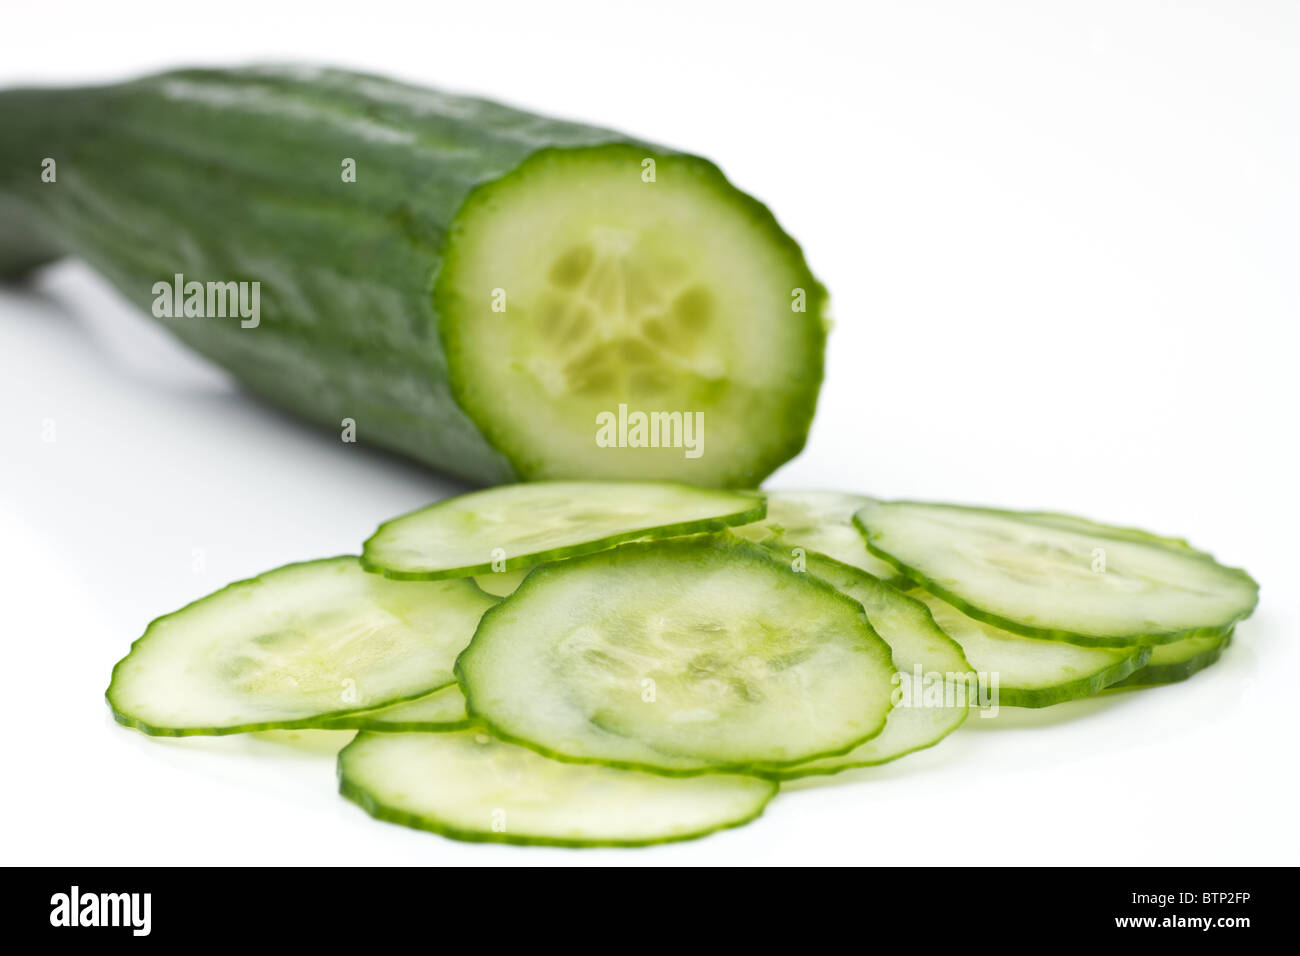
(575, 295)
(1170, 663)
(442, 710)
(1059, 583)
(819, 521)
(678, 656)
(293, 647)
(918, 646)
(1031, 672)
(515, 526)
(501, 583)
(469, 786)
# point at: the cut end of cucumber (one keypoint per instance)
(658, 289)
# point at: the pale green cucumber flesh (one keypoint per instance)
(292, 648)
(678, 656)
(1086, 526)
(1032, 672)
(820, 521)
(1055, 582)
(442, 710)
(469, 786)
(927, 660)
(517, 526)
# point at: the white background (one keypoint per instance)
(1062, 242)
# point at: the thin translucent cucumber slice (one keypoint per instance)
(1060, 583)
(678, 656)
(1170, 663)
(469, 786)
(819, 521)
(442, 710)
(502, 583)
(929, 663)
(516, 526)
(1028, 671)
(293, 647)
(658, 289)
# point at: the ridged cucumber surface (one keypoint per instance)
(486, 290)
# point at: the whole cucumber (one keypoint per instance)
(499, 295)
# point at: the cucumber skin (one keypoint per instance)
(234, 175)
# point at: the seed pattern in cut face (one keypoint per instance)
(616, 322)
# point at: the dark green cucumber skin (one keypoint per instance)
(235, 175)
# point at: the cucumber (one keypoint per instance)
(920, 650)
(819, 521)
(501, 583)
(517, 526)
(294, 647)
(1031, 672)
(499, 295)
(442, 710)
(1174, 662)
(1043, 580)
(678, 656)
(468, 786)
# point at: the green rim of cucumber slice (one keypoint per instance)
(1045, 580)
(1171, 663)
(517, 526)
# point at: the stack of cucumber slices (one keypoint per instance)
(626, 663)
